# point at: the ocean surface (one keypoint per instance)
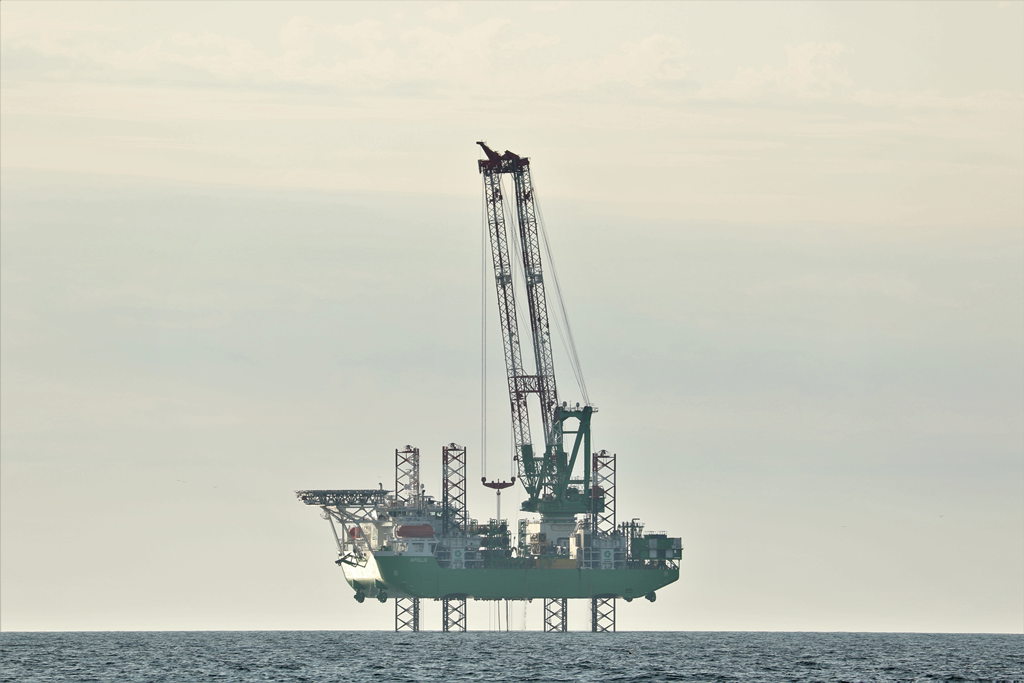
(356, 656)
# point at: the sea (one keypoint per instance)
(535, 657)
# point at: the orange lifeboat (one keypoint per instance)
(415, 531)
(355, 532)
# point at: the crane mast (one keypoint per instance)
(546, 475)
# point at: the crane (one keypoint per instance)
(546, 473)
(408, 547)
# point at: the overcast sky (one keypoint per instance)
(241, 255)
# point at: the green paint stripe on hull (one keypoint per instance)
(421, 577)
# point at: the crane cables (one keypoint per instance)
(517, 262)
(483, 334)
(519, 283)
(568, 342)
(517, 269)
(561, 318)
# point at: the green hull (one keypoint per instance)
(422, 577)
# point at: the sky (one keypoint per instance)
(241, 256)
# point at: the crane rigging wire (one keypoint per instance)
(483, 338)
(561, 318)
(520, 282)
(517, 265)
(565, 336)
(517, 261)
(574, 359)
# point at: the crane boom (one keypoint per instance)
(547, 476)
(536, 295)
(503, 280)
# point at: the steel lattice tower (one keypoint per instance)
(556, 615)
(453, 487)
(603, 478)
(453, 503)
(602, 610)
(407, 614)
(407, 494)
(602, 615)
(407, 477)
(454, 614)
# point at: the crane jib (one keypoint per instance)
(547, 475)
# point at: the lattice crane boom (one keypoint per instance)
(504, 282)
(547, 476)
(537, 297)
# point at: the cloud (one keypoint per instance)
(990, 99)
(47, 36)
(453, 58)
(366, 54)
(449, 11)
(811, 71)
(652, 60)
(369, 55)
(533, 41)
